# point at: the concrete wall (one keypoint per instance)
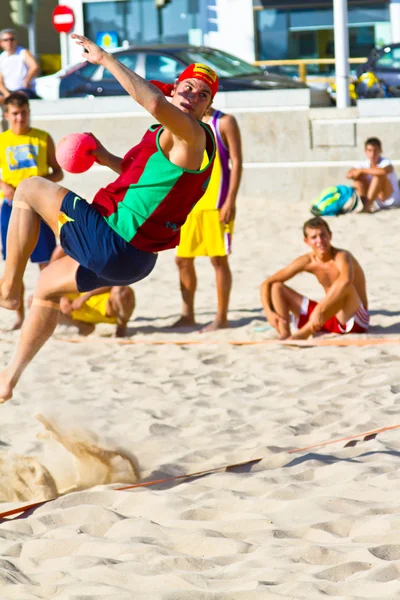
(290, 152)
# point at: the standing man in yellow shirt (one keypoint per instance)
(25, 152)
(209, 227)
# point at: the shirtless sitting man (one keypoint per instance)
(375, 179)
(344, 309)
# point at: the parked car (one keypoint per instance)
(385, 64)
(164, 63)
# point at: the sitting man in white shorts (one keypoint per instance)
(375, 179)
(344, 309)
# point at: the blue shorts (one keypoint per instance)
(45, 244)
(104, 257)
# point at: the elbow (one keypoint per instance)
(264, 288)
(155, 106)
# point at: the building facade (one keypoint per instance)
(251, 29)
(288, 29)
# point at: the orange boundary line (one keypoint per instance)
(365, 435)
(342, 341)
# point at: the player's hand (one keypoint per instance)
(100, 153)
(353, 174)
(78, 303)
(8, 191)
(65, 305)
(275, 320)
(92, 52)
(317, 319)
(227, 212)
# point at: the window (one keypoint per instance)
(224, 64)
(162, 68)
(129, 60)
(308, 32)
(390, 59)
(88, 70)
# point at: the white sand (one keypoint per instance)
(300, 526)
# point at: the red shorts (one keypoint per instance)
(357, 324)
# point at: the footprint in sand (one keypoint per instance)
(343, 571)
(386, 552)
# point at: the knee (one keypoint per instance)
(183, 263)
(220, 262)
(24, 185)
(277, 287)
(124, 295)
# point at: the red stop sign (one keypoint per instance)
(63, 19)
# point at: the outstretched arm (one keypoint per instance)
(144, 92)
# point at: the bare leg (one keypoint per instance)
(121, 304)
(344, 309)
(285, 301)
(20, 312)
(57, 279)
(188, 283)
(223, 278)
(378, 187)
(361, 185)
(34, 197)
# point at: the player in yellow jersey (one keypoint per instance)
(208, 229)
(112, 305)
(25, 152)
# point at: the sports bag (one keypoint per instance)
(336, 200)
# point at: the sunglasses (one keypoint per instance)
(9, 39)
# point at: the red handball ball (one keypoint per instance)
(74, 152)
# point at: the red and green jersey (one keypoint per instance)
(151, 199)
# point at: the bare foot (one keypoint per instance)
(120, 331)
(299, 335)
(18, 324)
(6, 389)
(8, 298)
(184, 321)
(214, 326)
(85, 328)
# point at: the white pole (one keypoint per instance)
(341, 30)
(395, 20)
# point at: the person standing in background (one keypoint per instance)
(25, 152)
(209, 227)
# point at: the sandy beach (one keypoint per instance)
(316, 523)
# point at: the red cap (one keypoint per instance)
(193, 71)
(202, 72)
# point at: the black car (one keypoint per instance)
(163, 63)
(385, 63)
